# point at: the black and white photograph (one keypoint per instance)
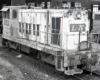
(49, 39)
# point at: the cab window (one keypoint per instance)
(33, 29)
(6, 14)
(19, 26)
(22, 27)
(29, 28)
(26, 28)
(38, 30)
(14, 14)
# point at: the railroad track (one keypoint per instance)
(42, 64)
(88, 76)
(76, 77)
(54, 71)
(3, 48)
(96, 73)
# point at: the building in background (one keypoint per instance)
(85, 3)
(11, 2)
(54, 3)
(17, 2)
(88, 4)
(37, 3)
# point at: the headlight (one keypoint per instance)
(78, 15)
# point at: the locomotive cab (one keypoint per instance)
(5, 18)
(10, 22)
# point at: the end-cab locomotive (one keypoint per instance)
(59, 35)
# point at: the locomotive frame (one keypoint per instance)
(23, 32)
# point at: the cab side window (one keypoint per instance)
(6, 14)
(29, 28)
(37, 30)
(14, 14)
(19, 26)
(26, 28)
(22, 27)
(33, 29)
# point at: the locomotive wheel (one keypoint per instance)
(3, 42)
(39, 56)
(19, 48)
(84, 62)
(51, 57)
(6, 44)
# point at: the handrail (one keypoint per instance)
(90, 38)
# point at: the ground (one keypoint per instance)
(20, 66)
(7, 70)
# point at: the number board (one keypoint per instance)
(77, 27)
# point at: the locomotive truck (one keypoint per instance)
(59, 36)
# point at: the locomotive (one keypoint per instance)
(95, 22)
(58, 36)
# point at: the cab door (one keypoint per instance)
(55, 36)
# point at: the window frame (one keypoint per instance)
(30, 28)
(38, 29)
(6, 14)
(34, 29)
(13, 14)
(55, 31)
(27, 32)
(20, 27)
